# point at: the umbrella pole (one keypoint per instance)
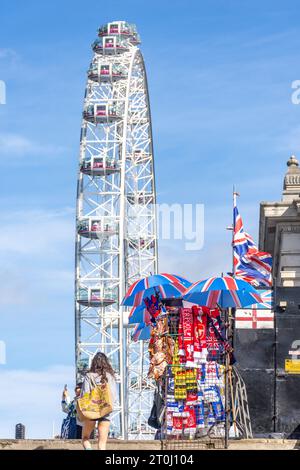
(232, 400)
(230, 378)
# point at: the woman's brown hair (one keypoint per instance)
(101, 366)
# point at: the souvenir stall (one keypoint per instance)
(190, 354)
(188, 350)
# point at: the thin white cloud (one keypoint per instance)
(15, 146)
(36, 232)
(25, 286)
(36, 249)
(7, 53)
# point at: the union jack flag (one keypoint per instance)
(267, 300)
(250, 264)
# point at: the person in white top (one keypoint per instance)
(100, 371)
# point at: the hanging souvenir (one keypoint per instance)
(200, 326)
(199, 410)
(189, 422)
(188, 335)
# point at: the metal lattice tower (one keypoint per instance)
(116, 241)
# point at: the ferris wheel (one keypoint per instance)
(116, 241)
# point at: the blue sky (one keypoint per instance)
(220, 75)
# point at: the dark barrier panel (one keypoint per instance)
(255, 348)
(260, 387)
(273, 385)
(287, 392)
(255, 355)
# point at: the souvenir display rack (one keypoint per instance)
(190, 357)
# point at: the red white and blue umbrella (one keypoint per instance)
(222, 291)
(142, 332)
(139, 315)
(166, 285)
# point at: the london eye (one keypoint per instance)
(116, 241)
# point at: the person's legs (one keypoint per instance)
(103, 429)
(87, 428)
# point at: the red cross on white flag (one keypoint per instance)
(252, 318)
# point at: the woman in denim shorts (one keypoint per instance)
(100, 372)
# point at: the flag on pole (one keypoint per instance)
(253, 318)
(250, 264)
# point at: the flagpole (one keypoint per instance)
(227, 362)
(229, 313)
(232, 313)
(234, 194)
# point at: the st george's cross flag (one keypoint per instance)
(252, 318)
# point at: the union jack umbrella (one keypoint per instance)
(141, 332)
(166, 285)
(222, 291)
(139, 315)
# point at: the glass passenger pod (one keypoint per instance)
(141, 243)
(103, 73)
(98, 166)
(99, 113)
(110, 45)
(95, 297)
(96, 227)
(140, 198)
(121, 28)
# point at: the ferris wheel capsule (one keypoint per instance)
(101, 113)
(106, 72)
(97, 227)
(98, 166)
(120, 28)
(96, 296)
(110, 45)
